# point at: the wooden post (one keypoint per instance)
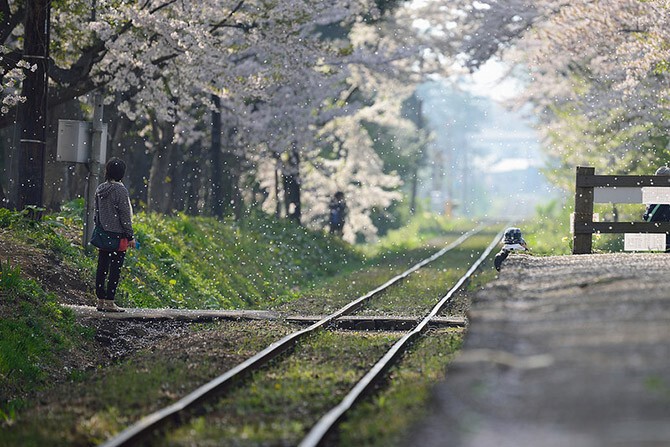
(582, 242)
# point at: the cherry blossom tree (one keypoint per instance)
(283, 80)
(599, 83)
(596, 72)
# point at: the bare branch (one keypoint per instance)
(164, 5)
(10, 21)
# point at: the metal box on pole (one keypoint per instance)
(74, 141)
(85, 142)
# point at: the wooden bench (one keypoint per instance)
(591, 188)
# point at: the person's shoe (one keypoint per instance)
(498, 260)
(109, 306)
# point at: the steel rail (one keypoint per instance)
(328, 422)
(141, 429)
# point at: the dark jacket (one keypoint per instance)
(113, 211)
(657, 213)
(338, 212)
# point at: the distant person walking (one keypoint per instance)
(113, 215)
(338, 213)
(659, 212)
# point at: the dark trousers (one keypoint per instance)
(109, 263)
(337, 229)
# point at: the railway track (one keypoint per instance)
(179, 412)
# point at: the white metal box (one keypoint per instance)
(74, 141)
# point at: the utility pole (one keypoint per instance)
(93, 166)
(33, 113)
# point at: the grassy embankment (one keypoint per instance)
(35, 331)
(182, 262)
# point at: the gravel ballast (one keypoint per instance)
(564, 350)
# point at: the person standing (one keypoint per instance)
(113, 214)
(659, 212)
(338, 213)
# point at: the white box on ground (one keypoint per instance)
(644, 242)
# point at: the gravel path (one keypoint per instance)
(562, 351)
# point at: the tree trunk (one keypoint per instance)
(231, 174)
(291, 179)
(124, 138)
(159, 194)
(117, 129)
(178, 178)
(186, 174)
(193, 173)
(277, 171)
(414, 188)
(32, 113)
(217, 170)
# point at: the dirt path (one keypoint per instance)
(571, 350)
(70, 285)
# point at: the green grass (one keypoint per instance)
(386, 260)
(102, 402)
(419, 292)
(548, 232)
(386, 418)
(195, 263)
(330, 294)
(200, 262)
(282, 402)
(46, 233)
(35, 331)
(183, 262)
(418, 233)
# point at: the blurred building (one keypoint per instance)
(485, 160)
